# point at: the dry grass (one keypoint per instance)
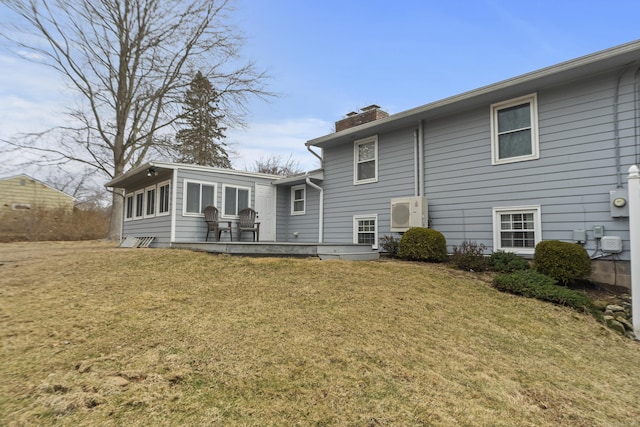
(96, 335)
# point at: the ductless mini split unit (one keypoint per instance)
(407, 212)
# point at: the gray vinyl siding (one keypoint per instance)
(306, 225)
(343, 199)
(158, 227)
(193, 228)
(570, 181)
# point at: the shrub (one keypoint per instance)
(566, 262)
(469, 256)
(389, 244)
(423, 244)
(507, 262)
(532, 284)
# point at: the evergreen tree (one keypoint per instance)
(200, 139)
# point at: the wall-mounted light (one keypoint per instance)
(152, 171)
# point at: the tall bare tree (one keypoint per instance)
(130, 61)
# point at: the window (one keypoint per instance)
(365, 230)
(298, 197)
(365, 168)
(197, 196)
(514, 130)
(517, 229)
(163, 199)
(150, 200)
(128, 207)
(235, 199)
(139, 204)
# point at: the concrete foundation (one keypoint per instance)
(612, 273)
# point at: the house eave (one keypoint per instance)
(591, 64)
(137, 176)
(317, 175)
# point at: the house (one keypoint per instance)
(21, 192)
(542, 156)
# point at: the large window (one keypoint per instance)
(516, 229)
(197, 196)
(514, 130)
(163, 198)
(365, 230)
(298, 198)
(365, 155)
(235, 199)
(148, 203)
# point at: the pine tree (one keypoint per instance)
(200, 139)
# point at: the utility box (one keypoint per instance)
(619, 203)
(611, 244)
(580, 236)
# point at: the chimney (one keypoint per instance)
(368, 114)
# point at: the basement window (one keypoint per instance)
(365, 230)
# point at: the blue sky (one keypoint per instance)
(327, 58)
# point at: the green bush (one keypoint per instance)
(507, 262)
(389, 244)
(469, 256)
(566, 262)
(423, 244)
(532, 284)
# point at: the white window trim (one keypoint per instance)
(357, 218)
(237, 187)
(158, 186)
(356, 144)
(184, 196)
(537, 219)
(532, 99)
(146, 201)
(302, 187)
(135, 204)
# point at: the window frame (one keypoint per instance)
(136, 204)
(224, 199)
(295, 188)
(356, 160)
(532, 100)
(129, 201)
(154, 203)
(356, 230)
(200, 184)
(159, 201)
(497, 227)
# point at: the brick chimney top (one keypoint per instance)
(368, 114)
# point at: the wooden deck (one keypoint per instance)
(321, 250)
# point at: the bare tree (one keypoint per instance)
(276, 165)
(130, 61)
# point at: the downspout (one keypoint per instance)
(421, 183)
(174, 198)
(320, 208)
(416, 185)
(316, 154)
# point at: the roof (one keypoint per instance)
(317, 174)
(139, 175)
(595, 63)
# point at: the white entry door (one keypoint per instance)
(266, 208)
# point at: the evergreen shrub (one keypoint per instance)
(565, 262)
(507, 262)
(532, 284)
(423, 244)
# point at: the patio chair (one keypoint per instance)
(211, 216)
(248, 222)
